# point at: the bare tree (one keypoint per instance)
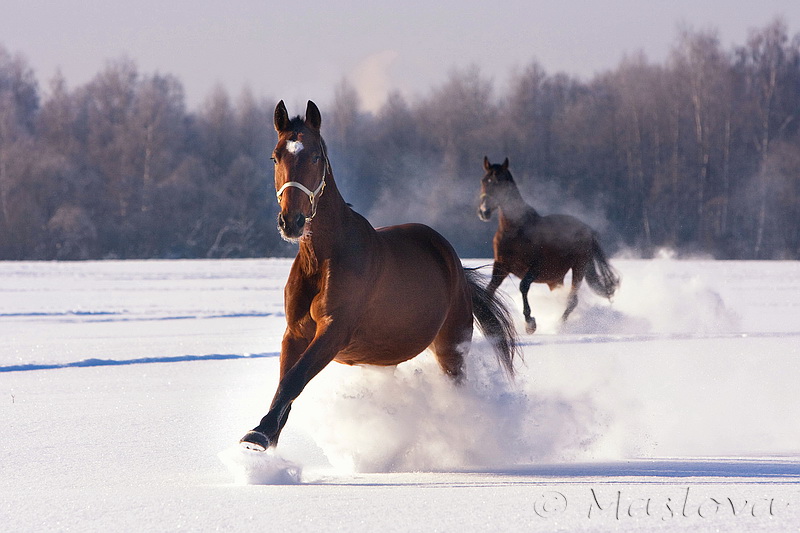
(768, 62)
(703, 68)
(18, 104)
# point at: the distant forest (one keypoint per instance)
(700, 154)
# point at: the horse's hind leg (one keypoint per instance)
(450, 350)
(499, 273)
(452, 343)
(572, 303)
(572, 299)
(524, 286)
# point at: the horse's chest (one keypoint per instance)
(326, 299)
(305, 301)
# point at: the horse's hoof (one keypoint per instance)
(530, 326)
(255, 440)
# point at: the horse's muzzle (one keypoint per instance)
(291, 226)
(484, 213)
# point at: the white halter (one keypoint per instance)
(314, 195)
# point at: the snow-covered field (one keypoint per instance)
(124, 386)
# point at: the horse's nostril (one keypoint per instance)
(300, 221)
(281, 221)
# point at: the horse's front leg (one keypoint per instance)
(317, 355)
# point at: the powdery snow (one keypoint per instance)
(125, 386)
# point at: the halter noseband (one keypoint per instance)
(314, 195)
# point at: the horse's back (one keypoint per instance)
(418, 242)
(562, 232)
(554, 244)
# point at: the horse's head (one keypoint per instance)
(301, 166)
(494, 185)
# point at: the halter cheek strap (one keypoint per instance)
(314, 195)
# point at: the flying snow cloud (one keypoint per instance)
(412, 417)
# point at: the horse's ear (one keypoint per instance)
(505, 165)
(486, 164)
(281, 117)
(313, 116)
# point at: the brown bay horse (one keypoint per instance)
(357, 295)
(540, 249)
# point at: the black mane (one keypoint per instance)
(297, 123)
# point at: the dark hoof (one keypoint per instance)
(255, 440)
(530, 326)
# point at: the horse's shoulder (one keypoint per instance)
(515, 245)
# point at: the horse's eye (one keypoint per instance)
(315, 159)
(274, 161)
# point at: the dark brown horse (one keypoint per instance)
(357, 295)
(540, 249)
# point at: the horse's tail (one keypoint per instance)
(600, 275)
(494, 320)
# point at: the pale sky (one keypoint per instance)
(301, 50)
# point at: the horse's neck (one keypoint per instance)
(515, 211)
(329, 229)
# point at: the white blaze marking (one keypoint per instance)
(294, 147)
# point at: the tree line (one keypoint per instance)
(700, 154)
